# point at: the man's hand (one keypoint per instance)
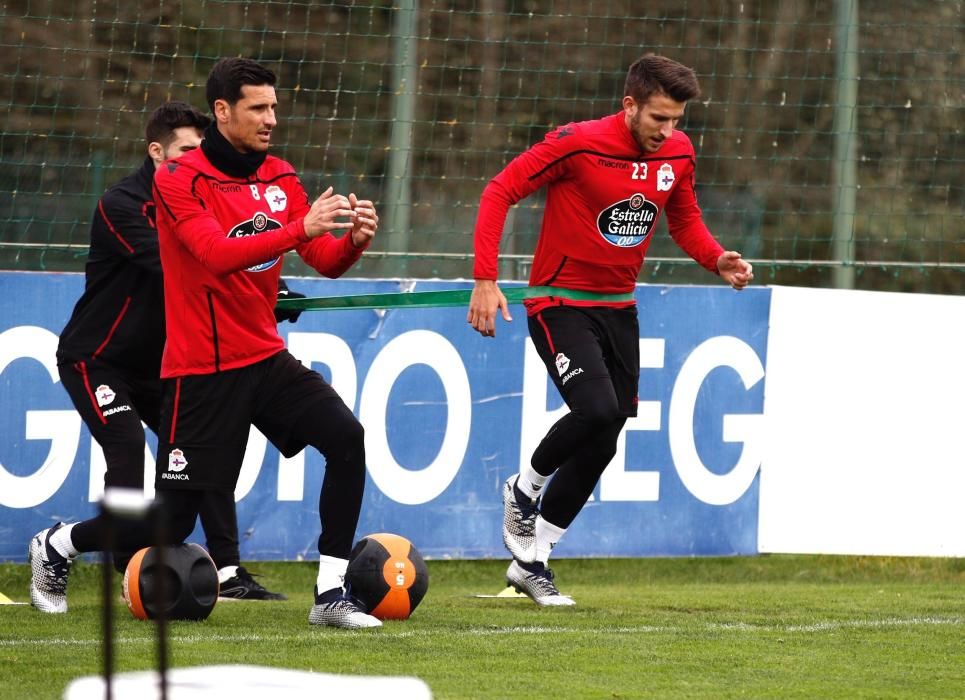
(734, 270)
(321, 218)
(486, 298)
(366, 221)
(290, 315)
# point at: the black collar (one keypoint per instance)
(226, 158)
(145, 175)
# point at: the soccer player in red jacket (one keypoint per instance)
(109, 354)
(226, 214)
(608, 181)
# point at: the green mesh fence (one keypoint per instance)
(417, 104)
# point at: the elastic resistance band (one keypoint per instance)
(447, 297)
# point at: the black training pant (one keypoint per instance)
(593, 356)
(205, 420)
(113, 403)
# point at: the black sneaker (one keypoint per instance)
(242, 586)
(339, 608)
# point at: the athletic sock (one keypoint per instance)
(331, 573)
(62, 543)
(226, 572)
(547, 535)
(531, 482)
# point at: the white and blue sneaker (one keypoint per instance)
(536, 581)
(519, 521)
(48, 573)
(338, 608)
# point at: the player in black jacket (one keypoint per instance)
(109, 354)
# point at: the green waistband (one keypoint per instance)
(446, 297)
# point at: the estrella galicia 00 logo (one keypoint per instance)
(627, 223)
(259, 223)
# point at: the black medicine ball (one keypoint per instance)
(187, 579)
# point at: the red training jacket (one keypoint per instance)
(604, 197)
(222, 240)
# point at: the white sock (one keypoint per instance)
(227, 572)
(531, 482)
(547, 535)
(331, 573)
(62, 543)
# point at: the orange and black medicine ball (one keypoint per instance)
(387, 573)
(187, 579)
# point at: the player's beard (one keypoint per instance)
(635, 130)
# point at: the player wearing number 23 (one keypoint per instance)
(608, 181)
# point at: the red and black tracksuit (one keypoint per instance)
(109, 354)
(604, 196)
(119, 318)
(223, 229)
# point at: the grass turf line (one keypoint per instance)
(770, 626)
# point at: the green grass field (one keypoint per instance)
(761, 627)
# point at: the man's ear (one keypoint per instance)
(222, 110)
(156, 151)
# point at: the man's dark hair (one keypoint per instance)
(229, 75)
(170, 116)
(651, 74)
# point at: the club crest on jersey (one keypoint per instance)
(665, 178)
(104, 395)
(258, 223)
(627, 223)
(176, 460)
(276, 198)
(562, 363)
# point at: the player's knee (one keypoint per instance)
(179, 513)
(595, 404)
(607, 442)
(125, 464)
(124, 450)
(347, 430)
(600, 413)
(353, 432)
(180, 531)
(352, 443)
(344, 444)
(606, 454)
